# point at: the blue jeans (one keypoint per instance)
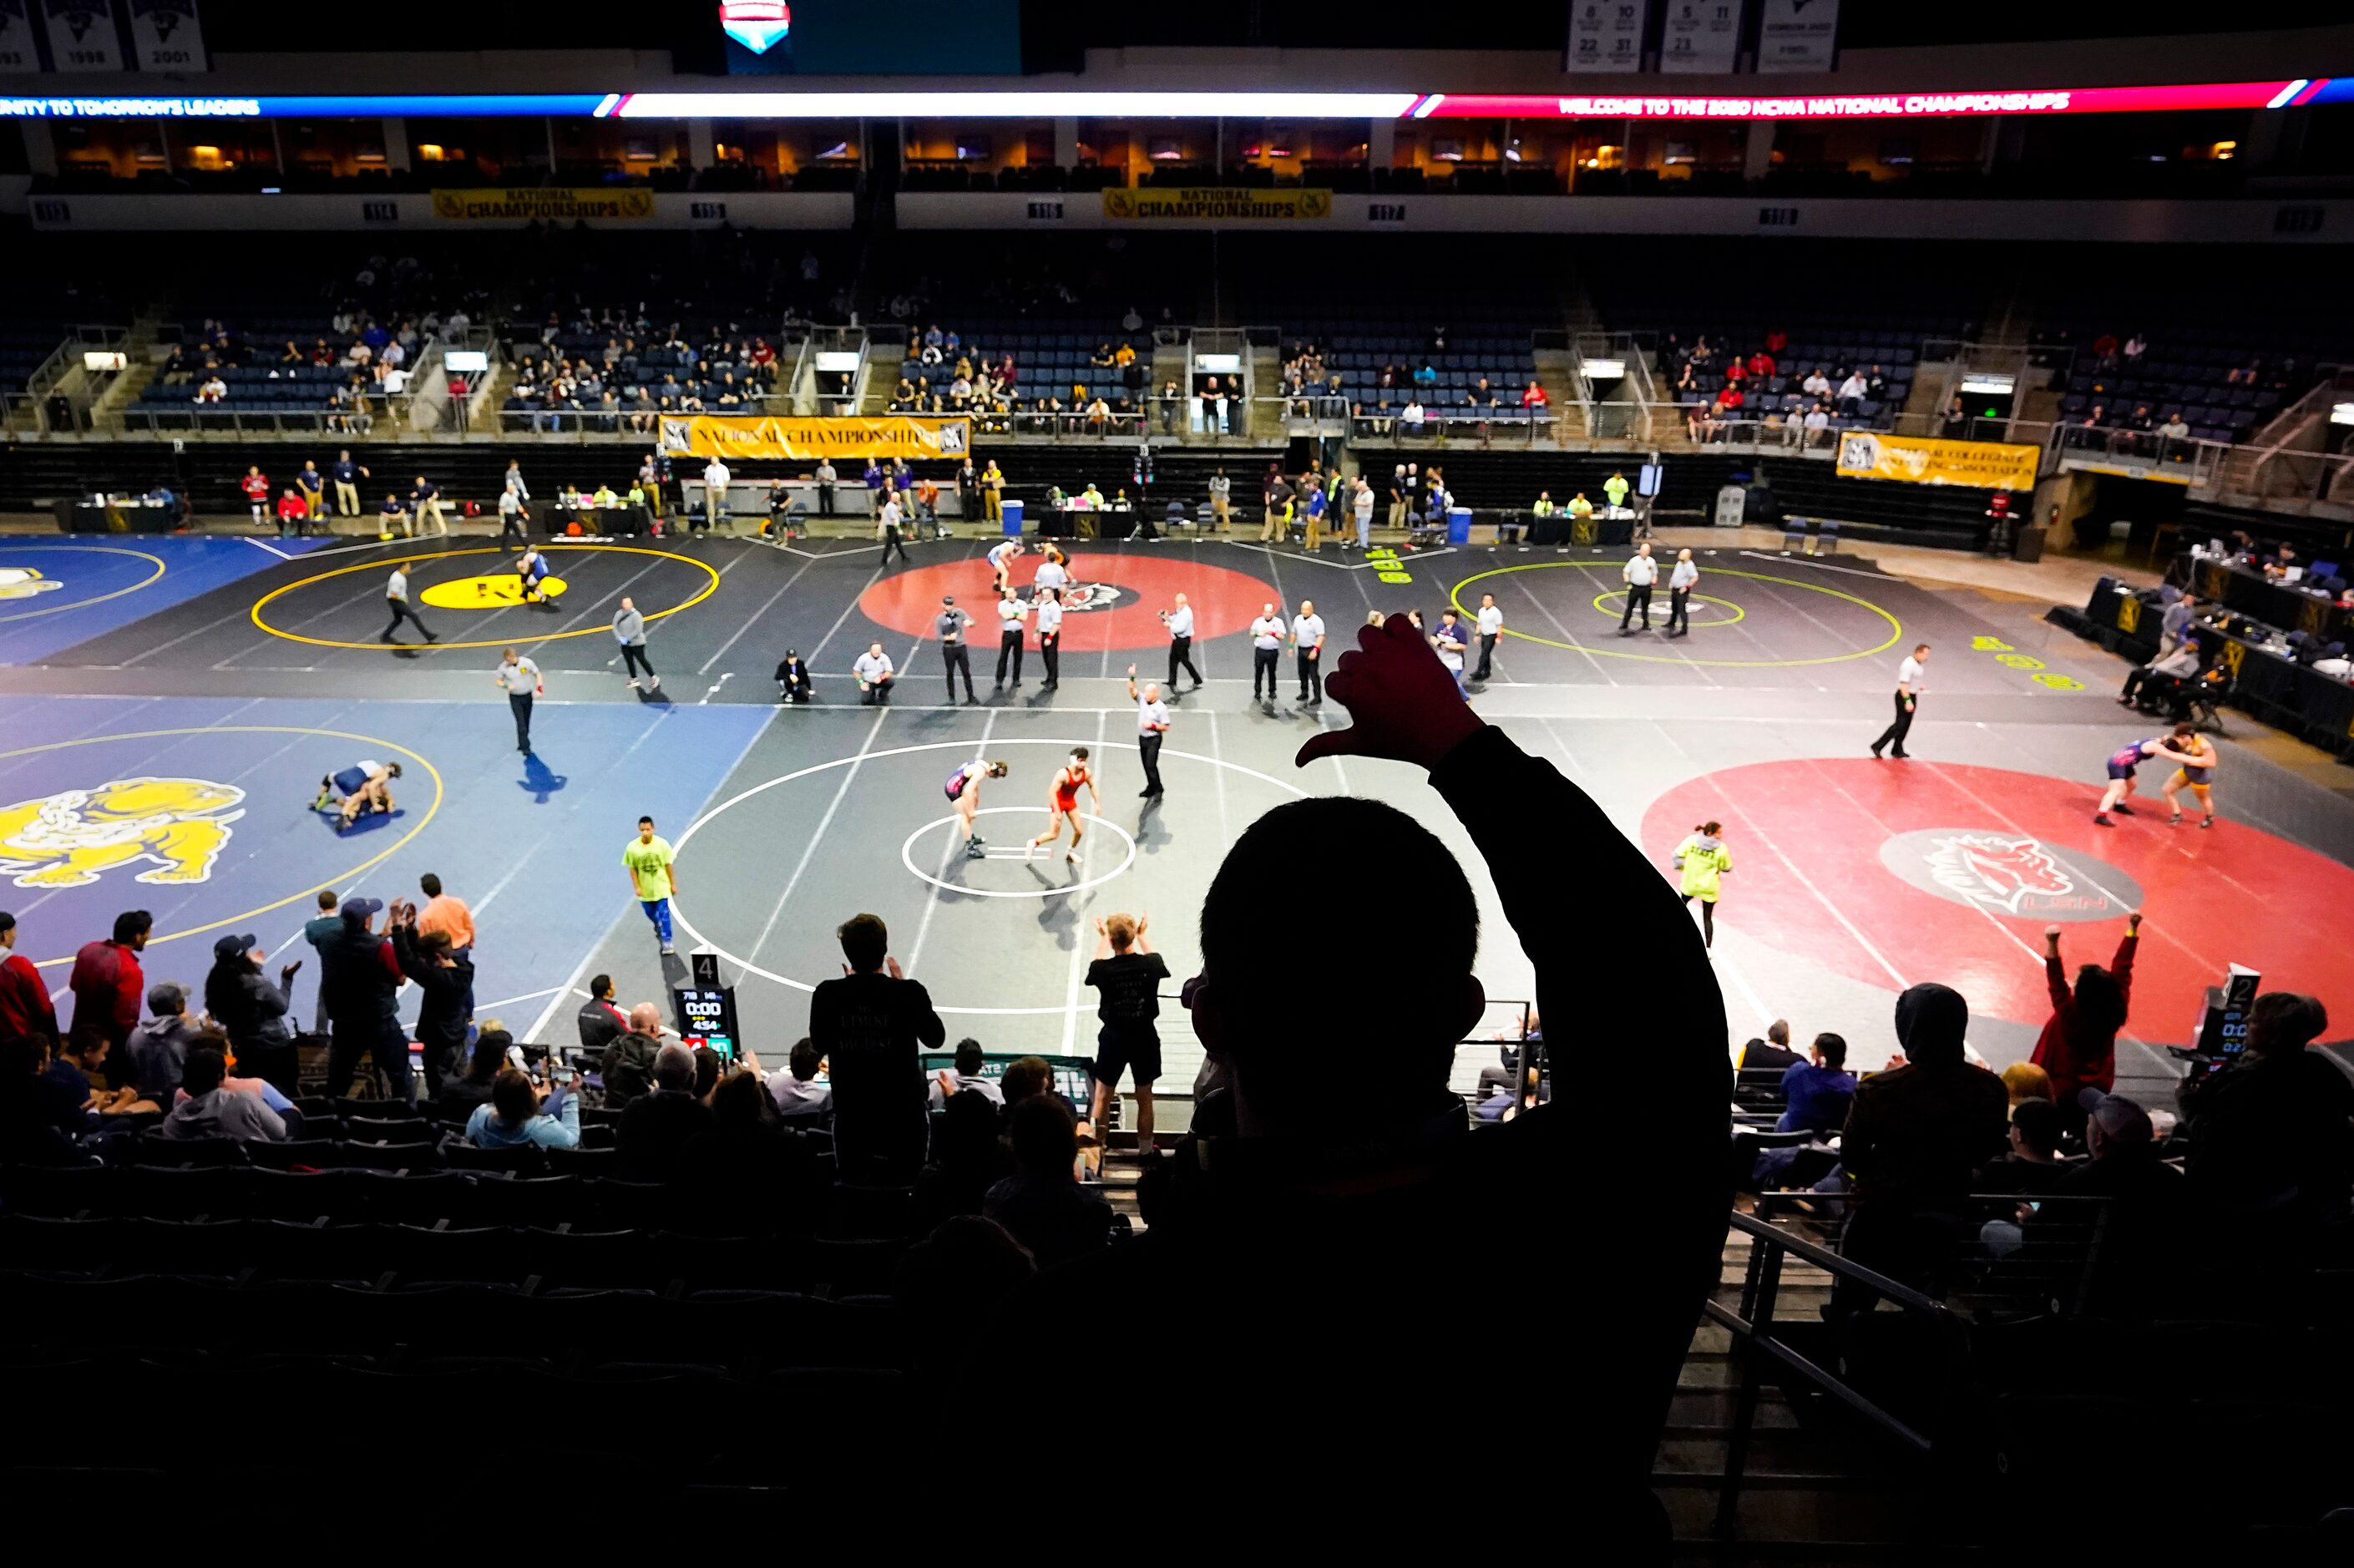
(1364, 530)
(658, 911)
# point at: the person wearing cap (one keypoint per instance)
(212, 1109)
(360, 978)
(158, 1049)
(793, 677)
(255, 1015)
(24, 1005)
(955, 657)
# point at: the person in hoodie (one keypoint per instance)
(446, 980)
(517, 1114)
(255, 1013)
(211, 1110)
(158, 1049)
(1914, 1135)
(1703, 860)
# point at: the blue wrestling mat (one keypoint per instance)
(57, 592)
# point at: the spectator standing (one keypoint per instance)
(24, 1005)
(446, 913)
(443, 980)
(993, 492)
(1222, 490)
(425, 508)
(1452, 643)
(255, 1015)
(654, 878)
(871, 1025)
(826, 480)
(1127, 974)
(107, 982)
(360, 976)
(346, 476)
(2273, 1133)
(599, 1022)
(630, 632)
(313, 488)
(2078, 1046)
(714, 492)
(1360, 502)
(1913, 1136)
(1909, 688)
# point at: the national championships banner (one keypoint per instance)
(545, 205)
(1191, 206)
(1982, 465)
(891, 435)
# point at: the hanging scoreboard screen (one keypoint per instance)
(706, 1018)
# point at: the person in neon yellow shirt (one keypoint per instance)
(1580, 509)
(1703, 860)
(1616, 488)
(651, 878)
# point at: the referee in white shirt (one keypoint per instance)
(1180, 622)
(1490, 621)
(1010, 611)
(1051, 572)
(872, 669)
(1266, 648)
(1639, 574)
(714, 492)
(1152, 723)
(518, 677)
(1307, 644)
(395, 599)
(1681, 579)
(886, 528)
(1049, 607)
(1908, 699)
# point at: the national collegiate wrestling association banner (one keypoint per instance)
(890, 435)
(1982, 465)
(1151, 203)
(544, 206)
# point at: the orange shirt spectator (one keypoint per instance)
(447, 913)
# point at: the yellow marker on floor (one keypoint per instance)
(487, 592)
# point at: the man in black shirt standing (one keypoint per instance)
(359, 981)
(1129, 974)
(871, 1025)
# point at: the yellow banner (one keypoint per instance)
(1195, 206)
(887, 436)
(531, 202)
(1982, 465)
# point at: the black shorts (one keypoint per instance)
(1137, 1051)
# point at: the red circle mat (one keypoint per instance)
(1224, 601)
(1895, 872)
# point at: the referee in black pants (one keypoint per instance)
(1267, 650)
(1152, 723)
(1180, 622)
(1010, 611)
(950, 625)
(1908, 699)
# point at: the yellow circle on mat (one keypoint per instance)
(15, 544)
(383, 562)
(342, 880)
(1896, 627)
(486, 593)
(1602, 602)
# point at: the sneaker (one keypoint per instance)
(1875, 754)
(974, 852)
(2122, 810)
(633, 683)
(2175, 821)
(2102, 819)
(668, 952)
(1146, 794)
(1070, 857)
(2206, 821)
(653, 682)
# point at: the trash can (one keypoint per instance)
(1011, 509)
(1459, 525)
(2029, 544)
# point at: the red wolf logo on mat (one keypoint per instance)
(1997, 870)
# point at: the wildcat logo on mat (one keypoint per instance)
(23, 582)
(1997, 870)
(1090, 595)
(179, 826)
(2009, 874)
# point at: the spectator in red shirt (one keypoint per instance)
(108, 984)
(1534, 396)
(1732, 397)
(1776, 341)
(1761, 364)
(2078, 1043)
(292, 512)
(25, 1006)
(1734, 371)
(256, 485)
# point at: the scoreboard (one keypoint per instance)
(706, 1010)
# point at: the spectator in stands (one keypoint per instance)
(1816, 1093)
(24, 1005)
(2171, 430)
(1041, 1203)
(2033, 1164)
(2079, 1043)
(460, 1096)
(1339, 1182)
(214, 1108)
(651, 1142)
(1817, 385)
(517, 1113)
(646, 1019)
(83, 1056)
(1852, 391)
(1914, 1134)
(2024, 1081)
(443, 980)
(871, 1025)
(1955, 422)
(747, 1149)
(2153, 685)
(627, 1068)
(795, 1087)
(107, 982)
(359, 977)
(2147, 1202)
(968, 1159)
(965, 1075)
(157, 1051)
(1818, 424)
(1773, 1052)
(2135, 347)
(2273, 1133)
(600, 1020)
(213, 391)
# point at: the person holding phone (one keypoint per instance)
(521, 1112)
